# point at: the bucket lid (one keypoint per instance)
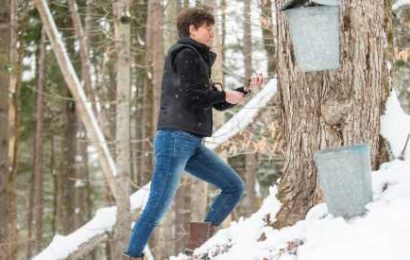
(298, 3)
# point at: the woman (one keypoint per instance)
(185, 118)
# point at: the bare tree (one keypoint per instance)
(141, 175)
(35, 224)
(152, 86)
(337, 108)
(154, 57)
(122, 34)
(8, 40)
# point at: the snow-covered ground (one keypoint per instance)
(382, 234)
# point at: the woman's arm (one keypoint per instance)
(198, 95)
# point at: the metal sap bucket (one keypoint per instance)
(345, 178)
(314, 32)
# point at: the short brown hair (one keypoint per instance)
(194, 16)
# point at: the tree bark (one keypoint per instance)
(37, 199)
(8, 39)
(66, 171)
(122, 145)
(152, 86)
(141, 177)
(82, 197)
(329, 109)
(152, 83)
(82, 37)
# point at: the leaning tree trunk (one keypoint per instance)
(328, 109)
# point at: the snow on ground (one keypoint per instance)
(382, 234)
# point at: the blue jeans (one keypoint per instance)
(174, 152)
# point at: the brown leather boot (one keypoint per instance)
(199, 233)
(127, 257)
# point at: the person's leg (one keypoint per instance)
(171, 152)
(206, 165)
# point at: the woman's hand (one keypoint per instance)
(256, 81)
(233, 97)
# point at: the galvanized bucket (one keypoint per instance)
(345, 178)
(315, 35)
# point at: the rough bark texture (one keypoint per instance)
(122, 145)
(328, 109)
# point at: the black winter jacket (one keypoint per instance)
(187, 92)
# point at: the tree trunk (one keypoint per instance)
(66, 171)
(139, 30)
(82, 201)
(8, 39)
(217, 68)
(182, 213)
(152, 86)
(152, 83)
(247, 38)
(82, 37)
(122, 145)
(37, 199)
(329, 109)
(268, 36)
(223, 36)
